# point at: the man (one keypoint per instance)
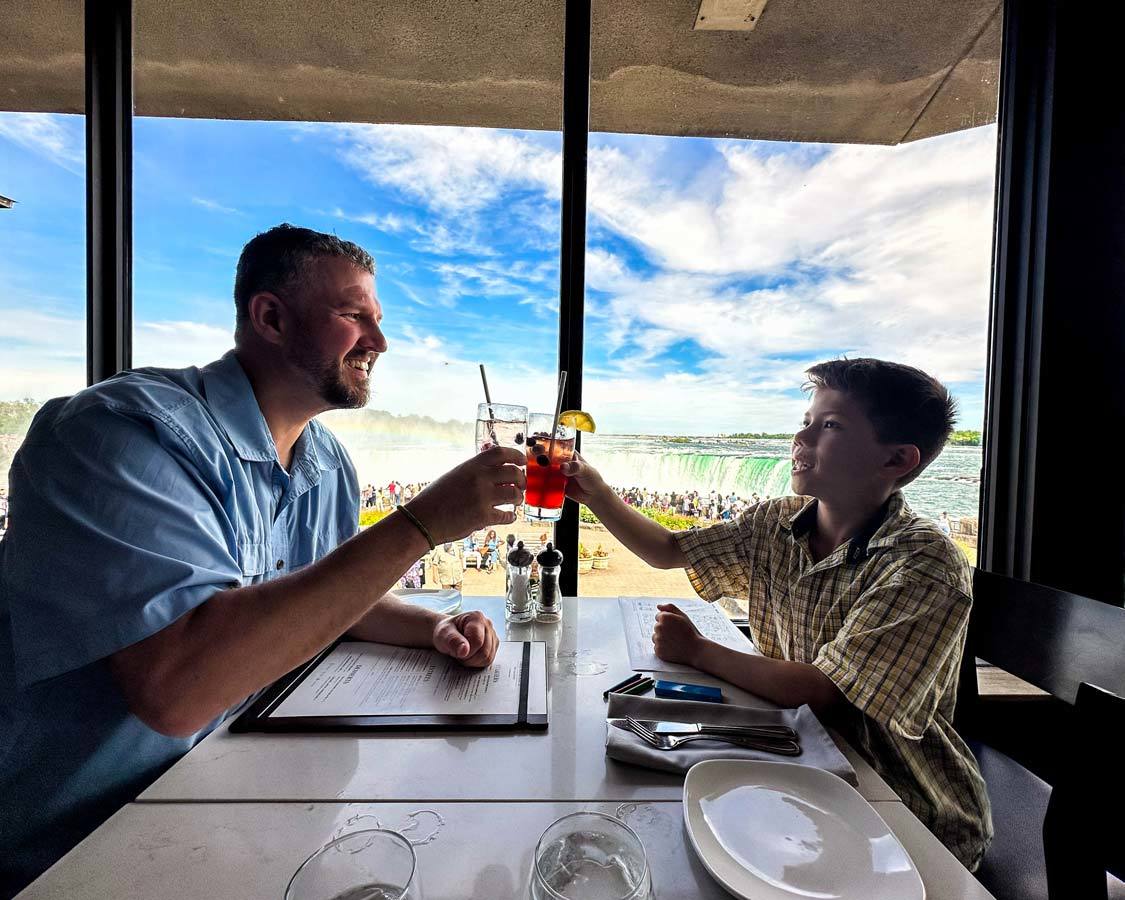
(449, 567)
(184, 537)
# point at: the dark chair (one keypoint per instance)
(1082, 834)
(1056, 641)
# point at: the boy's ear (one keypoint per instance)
(903, 459)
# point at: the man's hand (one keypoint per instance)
(465, 498)
(675, 638)
(583, 480)
(469, 638)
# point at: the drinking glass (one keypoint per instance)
(501, 425)
(590, 856)
(374, 864)
(546, 484)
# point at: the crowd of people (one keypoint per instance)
(712, 506)
(384, 499)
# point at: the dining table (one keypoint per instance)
(237, 815)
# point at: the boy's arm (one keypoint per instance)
(788, 684)
(651, 541)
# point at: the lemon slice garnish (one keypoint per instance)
(577, 419)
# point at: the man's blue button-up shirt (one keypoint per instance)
(133, 502)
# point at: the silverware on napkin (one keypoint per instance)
(778, 745)
(781, 732)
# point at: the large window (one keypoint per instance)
(844, 207)
(42, 268)
(463, 222)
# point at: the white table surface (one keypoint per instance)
(482, 852)
(565, 763)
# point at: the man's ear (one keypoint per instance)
(267, 315)
(903, 459)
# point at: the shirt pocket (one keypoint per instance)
(253, 559)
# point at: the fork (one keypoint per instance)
(780, 746)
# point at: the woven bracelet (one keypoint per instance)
(422, 528)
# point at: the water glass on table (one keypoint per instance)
(590, 856)
(373, 864)
(501, 425)
(546, 484)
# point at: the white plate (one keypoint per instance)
(777, 831)
(442, 600)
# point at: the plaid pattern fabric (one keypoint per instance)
(884, 616)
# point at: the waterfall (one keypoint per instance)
(672, 471)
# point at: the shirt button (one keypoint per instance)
(281, 564)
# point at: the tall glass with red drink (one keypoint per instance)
(546, 484)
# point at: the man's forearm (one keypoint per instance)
(788, 684)
(649, 540)
(392, 621)
(243, 639)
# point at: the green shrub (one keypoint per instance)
(371, 516)
(671, 521)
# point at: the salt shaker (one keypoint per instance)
(550, 603)
(517, 605)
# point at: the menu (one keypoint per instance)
(639, 615)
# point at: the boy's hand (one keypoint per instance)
(675, 638)
(583, 481)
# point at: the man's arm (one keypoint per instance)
(785, 683)
(465, 637)
(240, 640)
(650, 540)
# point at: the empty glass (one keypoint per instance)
(374, 864)
(501, 425)
(590, 856)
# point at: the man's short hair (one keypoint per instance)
(277, 261)
(904, 404)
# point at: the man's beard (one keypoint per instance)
(331, 380)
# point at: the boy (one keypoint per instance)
(858, 606)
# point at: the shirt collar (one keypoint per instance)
(232, 402)
(876, 532)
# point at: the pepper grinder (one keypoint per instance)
(550, 603)
(517, 604)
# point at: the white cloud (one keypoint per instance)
(59, 138)
(765, 257)
(44, 354)
(172, 344)
(454, 170)
(214, 207)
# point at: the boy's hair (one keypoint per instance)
(904, 404)
(277, 260)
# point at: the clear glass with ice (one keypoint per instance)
(502, 425)
(590, 856)
(373, 864)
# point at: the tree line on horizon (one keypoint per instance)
(16, 416)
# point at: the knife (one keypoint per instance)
(764, 732)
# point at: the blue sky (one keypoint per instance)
(716, 272)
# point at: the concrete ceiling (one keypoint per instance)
(869, 71)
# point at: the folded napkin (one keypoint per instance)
(817, 748)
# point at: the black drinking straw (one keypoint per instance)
(558, 412)
(488, 400)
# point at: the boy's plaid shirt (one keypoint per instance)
(884, 616)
